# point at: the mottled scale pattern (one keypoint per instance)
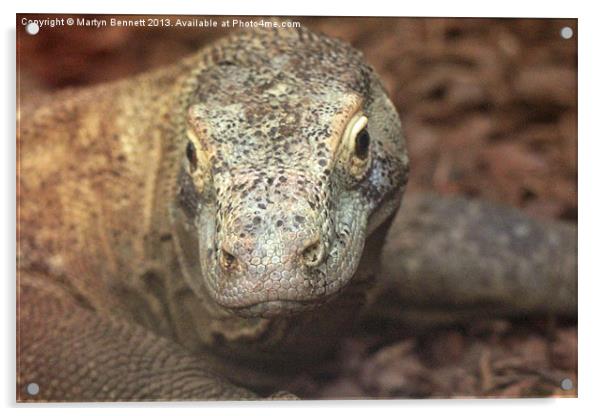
(79, 356)
(286, 214)
(133, 194)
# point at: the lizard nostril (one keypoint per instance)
(313, 253)
(227, 260)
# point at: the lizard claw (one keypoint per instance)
(282, 395)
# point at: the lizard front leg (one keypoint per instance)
(72, 354)
(460, 258)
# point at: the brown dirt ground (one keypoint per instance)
(489, 108)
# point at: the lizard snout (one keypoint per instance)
(272, 264)
(244, 255)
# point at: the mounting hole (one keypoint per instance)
(566, 32)
(32, 28)
(33, 389)
(566, 384)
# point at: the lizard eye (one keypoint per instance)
(362, 144)
(359, 139)
(191, 155)
(357, 146)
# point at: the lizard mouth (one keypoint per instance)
(283, 307)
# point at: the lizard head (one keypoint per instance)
(293, 156)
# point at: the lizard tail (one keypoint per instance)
(455, 254)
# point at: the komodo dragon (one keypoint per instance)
(206, 230)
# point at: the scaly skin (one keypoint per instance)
(219, 221)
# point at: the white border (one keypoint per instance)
(590, 209)
(461, 8)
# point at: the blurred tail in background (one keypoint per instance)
(449, 259)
